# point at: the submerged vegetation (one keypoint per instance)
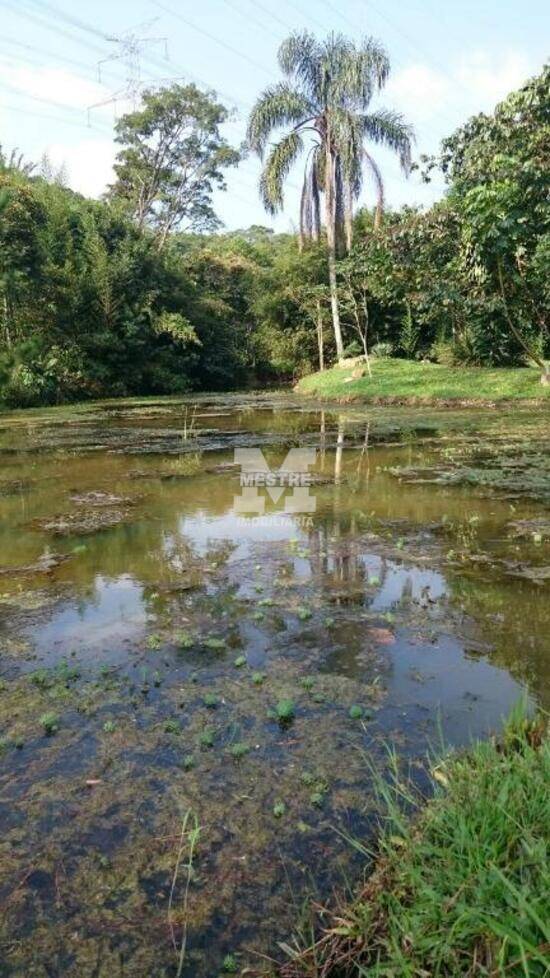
(138, 683)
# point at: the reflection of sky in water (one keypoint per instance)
(114, 614)
(397, 580)
(203, 529)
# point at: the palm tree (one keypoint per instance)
(327, 93)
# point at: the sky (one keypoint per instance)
(62, 64)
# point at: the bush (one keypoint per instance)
(382, 350)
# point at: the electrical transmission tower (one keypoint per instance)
(129, 48)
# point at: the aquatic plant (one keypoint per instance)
(211, 701)
(172, 726)
(153, 642)
(266, 603)
(285, 711)
(307, 683)
(258, 616)
(356, 712)
(109, 726)
(188, 762)
(229, 964)
(279, 809)
(303, 613)
(240, 661)
(214, 644)
(329, 622)
(316, 798)
(239, 750)
(189, 838)
(49, 723)
(258, 678)
(207, 737)
(185, 640)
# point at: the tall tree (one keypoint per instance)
(327, 93)
(173, 157)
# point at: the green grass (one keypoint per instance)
(406, 380)
(463, 888)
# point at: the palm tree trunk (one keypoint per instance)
(348, 216)
(331, 249)
(320, 343)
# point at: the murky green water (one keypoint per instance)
(149, 629)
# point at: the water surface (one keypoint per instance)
(159, 627)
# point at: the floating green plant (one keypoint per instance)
(215, 644)
(279, 809)
(188, 762)
(258, 678)
(153, 642)
(266, 603)
(285, 711)
(49, 723)
(184, 640)
(211, 701)
(240, 661)
(172, 726)
(230, 965)
(207, 737)
(308, 682)
(356, 712)
(109, 726)
(303, 613)
(239, 750)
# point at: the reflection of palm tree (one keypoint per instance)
(339, 457)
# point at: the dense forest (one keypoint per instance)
(143, 293)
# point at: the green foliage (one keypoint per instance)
(466, 880)
(285, 711)
(172, 159)
(49, 723)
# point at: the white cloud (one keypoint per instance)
(89, 163)
(54, 84)
(417, 90)
(474, 83)
(490, 77)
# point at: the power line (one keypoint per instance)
(212, 37)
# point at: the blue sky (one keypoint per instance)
(449, 61)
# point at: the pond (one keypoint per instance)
(186, 639)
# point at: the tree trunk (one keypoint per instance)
(331, 249)
(348, 216)
(320, 343)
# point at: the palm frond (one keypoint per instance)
(276, 169)
(388, 128)
(278, 106)
(376, 176)
(299, 57)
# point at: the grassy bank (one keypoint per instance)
(408, 381)
(462, 889)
